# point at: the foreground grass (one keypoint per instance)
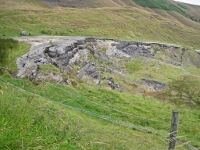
(58, 115)
(31, 122)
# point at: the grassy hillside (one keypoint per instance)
(80, 4)
(169, 5)
(54, 116)
(22, 4)
(122, 23)
(48, 116)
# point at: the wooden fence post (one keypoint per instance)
(173, 130)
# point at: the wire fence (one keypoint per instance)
(101, 105)
(106, 118)
(162, 134)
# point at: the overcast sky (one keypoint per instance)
(196, 2)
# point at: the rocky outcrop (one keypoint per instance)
(89, 69)
(134, 49)
(91, 58)
(41, 77)
(151, 85)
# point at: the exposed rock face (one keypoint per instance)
(50, 76)
(135, 49)
(91, 58)
(90, 70)
(152, 85)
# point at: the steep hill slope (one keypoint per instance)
(189, 11)
(120, 22)
(22, 5)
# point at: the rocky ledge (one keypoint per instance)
(90, 57)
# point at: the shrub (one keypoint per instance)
(6, 46)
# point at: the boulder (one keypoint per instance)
(24, 33)
(68, 48)
(198, 52)
(90, 70)
(29, 70)
(81, 42)
(60, 51)
(90, 40)
(155, 85)
(52, 54)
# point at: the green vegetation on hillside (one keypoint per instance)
(184, 90)
(134, 65)
(121, 23)
(183, 6)
(163, 4)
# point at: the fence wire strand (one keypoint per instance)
(106, 118)
(126, 113)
